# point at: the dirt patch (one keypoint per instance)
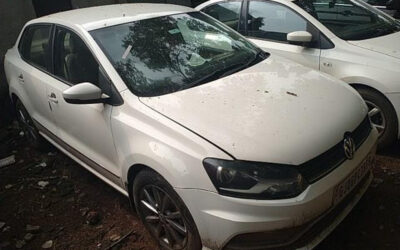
(46, 198)
(67, 204)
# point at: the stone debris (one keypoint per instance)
(2, 224)
(48, 244)
(7, 228)
(43, 184)
(114, 237)
(28, 237)
(84, 211)
(7, 161)
(32, 229)
(8, 186)
(20, 244)
(42, 164)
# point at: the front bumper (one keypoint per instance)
(221, 220)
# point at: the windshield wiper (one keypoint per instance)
(208, 78)
(383, 32)
(261, 55)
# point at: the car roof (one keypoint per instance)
(205, 4)
(107, 15)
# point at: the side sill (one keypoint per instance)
(108, 177)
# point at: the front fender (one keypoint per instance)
(144, 137)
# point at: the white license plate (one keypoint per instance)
(342, 189)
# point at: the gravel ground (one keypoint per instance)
(47, 200)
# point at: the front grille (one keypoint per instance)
(316, 168)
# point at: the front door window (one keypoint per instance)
(226, 12)
(272, 21)
(73, 61)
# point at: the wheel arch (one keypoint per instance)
(364, 86)
(133, 171)
(359, 86)
(14, 98)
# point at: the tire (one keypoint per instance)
(167, 219)
(383, 117)
(28, 127)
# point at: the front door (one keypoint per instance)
(85, 129)
(268, 24)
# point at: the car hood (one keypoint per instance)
(388, 45)
(275, 111)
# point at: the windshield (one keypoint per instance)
(350, 19)
(166, 54)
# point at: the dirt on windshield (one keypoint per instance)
(49, 201)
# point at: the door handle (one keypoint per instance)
(53, 98)
(327, 64)
(21, 78)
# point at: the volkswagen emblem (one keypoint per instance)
(349, 147)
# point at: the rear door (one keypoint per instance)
(33, 71)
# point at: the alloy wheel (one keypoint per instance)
(376, 116)
(163, 217)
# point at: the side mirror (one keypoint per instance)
(302, 38)
(84, 93)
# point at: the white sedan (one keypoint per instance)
(217, 143)
(347, 39)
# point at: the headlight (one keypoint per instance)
(254, 180)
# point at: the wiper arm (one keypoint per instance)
(383, 32)
(207, 78)
(261, 55)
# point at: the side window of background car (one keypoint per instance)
(341, 13)
(34, 46)
(273, 21)
(73, 61)
(226, 12)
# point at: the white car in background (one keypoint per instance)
(217, 143)
(347, 39)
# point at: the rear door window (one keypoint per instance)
(34, 46)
